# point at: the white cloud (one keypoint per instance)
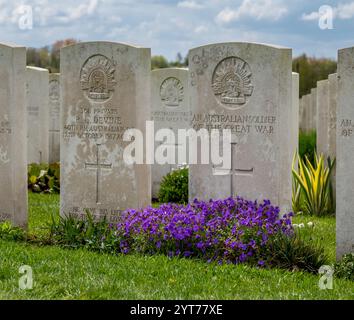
(189, 4)
(258, 9)
(50, 14)
(311, 16)
(201, 29)
(342, 12)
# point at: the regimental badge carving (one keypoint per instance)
(232, 82)
(97, 78)
(172, 92)
(54, 90)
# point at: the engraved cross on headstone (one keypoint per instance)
(98, 166)
(233, 172)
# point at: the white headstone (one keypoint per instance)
(306, 112)
(295, 115)
(13, 144)
(302, 114)
(105, 90)
(247, 88)
(170, 109)
(332, 140)
(313, 110)
(333, 92)
(345, 153)
(37, 115)
(323, 117)
(54, 117)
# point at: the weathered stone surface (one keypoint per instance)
(54, 117)
(302, 123)
(247, 88)
(13, 142)
(170, 110)
(333, 96)
(295, 115)
(332, 148)
(306, 112)
(313, 110)
(105, 90)
(345, 153)
(37, 115)
(323, 117)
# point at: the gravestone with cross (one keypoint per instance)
(54, 117)
(234, 171)
(13, 135)
(345, 153)
(98, 166)
(247, 89)
(105, 89)
(37, 115)
(170, 110)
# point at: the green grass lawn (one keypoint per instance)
(79, 274)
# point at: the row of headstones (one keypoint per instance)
(107, 88)
(318, 111)
(43, 115)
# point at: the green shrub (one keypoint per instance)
(312, 192)
(308, 145)
(86, 233)
(44, 178)
(345, 268)
(298, 252)
(10, 233)
(174, 187)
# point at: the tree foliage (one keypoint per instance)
(312, 70)
(48, 57)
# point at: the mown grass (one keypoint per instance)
(324, 231)
(79, 274)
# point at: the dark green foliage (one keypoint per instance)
(44, 178)
(160, 62)
(49, 56)
(345, 268)
(308, 145)
(174, 187)
(86, 233)
(312, 70)
(10, 233)
(299, 252)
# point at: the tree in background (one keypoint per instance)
(48, 57)
(180, 62)
(312, 70)
(159, 62)
(55, 52)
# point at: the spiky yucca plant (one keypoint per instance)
(313, 182)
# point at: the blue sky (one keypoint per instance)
(171, 26)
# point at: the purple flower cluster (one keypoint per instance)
(231, 230)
